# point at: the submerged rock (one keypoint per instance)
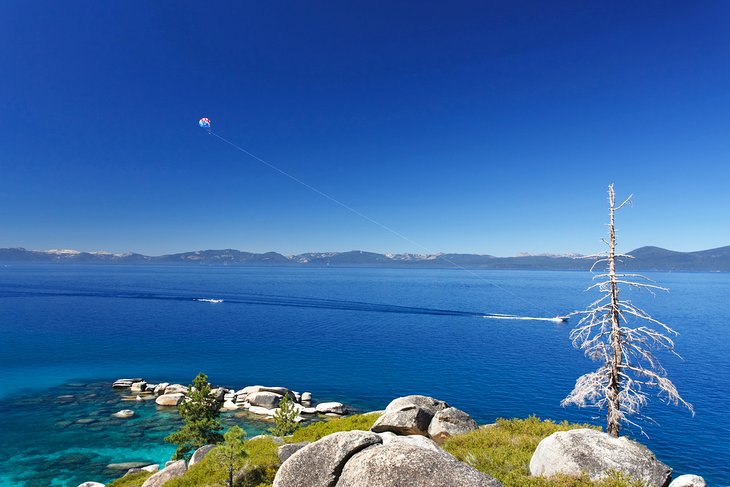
(126, 465)
(90, 484)
(596, 454)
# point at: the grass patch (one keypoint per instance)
(262, 459)
(133, 480)
(315, 431)
(504, 452)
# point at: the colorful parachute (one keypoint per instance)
(204, 123)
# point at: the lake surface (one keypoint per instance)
(360, 336)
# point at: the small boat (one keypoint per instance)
(204, 300)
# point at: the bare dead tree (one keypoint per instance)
(623, 338)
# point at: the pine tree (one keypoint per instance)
(199, 411)
(231, 453)
(285, 418)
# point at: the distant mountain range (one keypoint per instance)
(645, 258)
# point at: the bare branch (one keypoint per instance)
(623, 339)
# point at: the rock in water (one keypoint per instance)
(264, 399)
(319, 464)
(400, 464)
(124, 414)
(175, 389)
(91, 484)
(331, 407)
(449, 422)
(199, 454)
(174, 470)
(596, 454)
(688, 481)
(169, 399)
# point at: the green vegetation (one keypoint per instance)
(285, 418)
(199, 411)
(504, 452)
(261, 463)
(132, 480)
(231, 453)
(318, 430)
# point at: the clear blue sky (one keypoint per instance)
(487, 127)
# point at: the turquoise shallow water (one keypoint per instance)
(361, 336)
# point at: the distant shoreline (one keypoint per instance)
(646, 259)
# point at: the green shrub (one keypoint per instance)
(504, 452)
(262, 462)
(131, 480)
(315, 431)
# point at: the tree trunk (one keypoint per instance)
(614, 383)
(230, 476)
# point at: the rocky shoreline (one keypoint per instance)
(261, 401)
(404, 446)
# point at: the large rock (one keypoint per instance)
(319, 464)
(409, 415)
(160, 388)
(174, 470)
(416, 440)
(91, 484)
(264, 399)
(306, 397)
(175, 389)
(261, 411)
(596, 454)
(122, 383)
(410, 420)
(282, 391)
(138, 386)
(449, 422)
(169, 399)
(331, 408)
(218, 393)
(289, 449)
(688, 481)
(424, 402)
(199, 454)
(400, 463)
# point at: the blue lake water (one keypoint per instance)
(360, 336)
